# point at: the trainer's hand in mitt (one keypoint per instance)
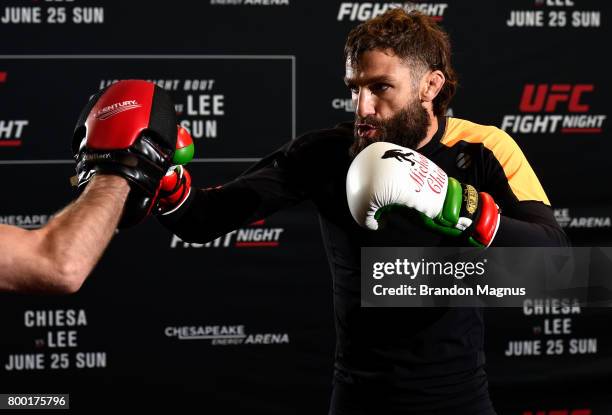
(128, 129)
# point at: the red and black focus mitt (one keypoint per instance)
(128, 129)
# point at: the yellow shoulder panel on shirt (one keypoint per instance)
(522, 179)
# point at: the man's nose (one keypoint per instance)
(365, 103)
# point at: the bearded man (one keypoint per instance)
(406, 360)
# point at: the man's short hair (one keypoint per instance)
(412, 36)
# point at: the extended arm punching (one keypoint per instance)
(265, 188)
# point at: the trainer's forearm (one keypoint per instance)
(74, 240)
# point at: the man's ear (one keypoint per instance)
(431, 84)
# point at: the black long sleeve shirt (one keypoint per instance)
(410, 351)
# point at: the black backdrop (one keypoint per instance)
(245, 324)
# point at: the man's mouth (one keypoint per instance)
(367, 130)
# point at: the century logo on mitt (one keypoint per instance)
(114, 109)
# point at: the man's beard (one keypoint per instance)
(406, 128)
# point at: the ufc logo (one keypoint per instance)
(2, 77)
(546, 97)
(560, 412)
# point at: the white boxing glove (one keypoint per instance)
(385, 175)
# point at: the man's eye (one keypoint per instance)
(379, 87)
